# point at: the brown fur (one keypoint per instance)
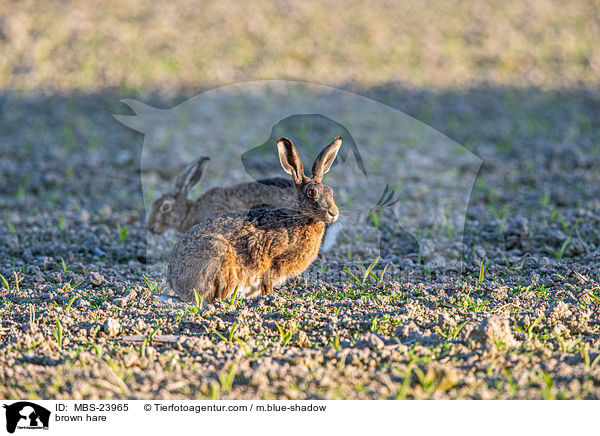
(173, 210)
(260, 248)
(219, 200)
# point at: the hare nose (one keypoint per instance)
(332, 212)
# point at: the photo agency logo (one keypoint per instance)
(402, 188)
(25, 415)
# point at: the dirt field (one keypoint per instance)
(79, 309)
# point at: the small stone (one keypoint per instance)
(499, 293)
(519, 227)
(277, 301)
(434, 219)
(479, 254)
(140, 325)
(406, 263)
(445, 321)
(408, 331)
(370, 340)
(96, 279)
(560, 310)
(111, 327)
(492, 331)
(544, 261)
(208, 311)
(301, 339)
(151, 352)
(574, 248)
(130, 359)
(120, 302)
(53, 276)
(556, 237)
(47, 263)
(173, 363)
(123, 300)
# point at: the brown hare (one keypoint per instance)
(173, 210)
(255, 250)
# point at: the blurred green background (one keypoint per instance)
(138, 46)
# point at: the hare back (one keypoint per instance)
(279, 182)
(273, 192)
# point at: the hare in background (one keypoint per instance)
(173, 210)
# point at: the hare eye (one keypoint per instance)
(166, 207)
(311, 193)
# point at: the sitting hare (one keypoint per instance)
(257, 249)
(174, 210)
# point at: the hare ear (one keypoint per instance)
(189, 176)
(325, 159)
(290, 160)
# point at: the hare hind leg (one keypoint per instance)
(209, 269)
(226, 279)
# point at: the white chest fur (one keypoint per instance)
(331, 234)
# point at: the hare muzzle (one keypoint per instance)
(332, 214)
